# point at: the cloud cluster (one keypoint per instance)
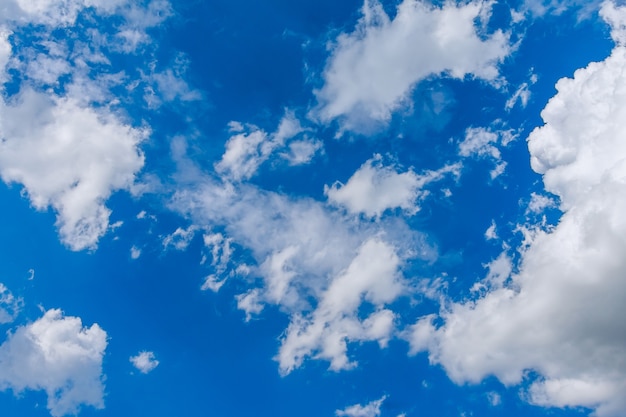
(375, 188)
(68, 157)
(58, 355)
(372, 70)
(561, 313)
(64, 137)
(312, 261)
(485, 143)
(250, 147)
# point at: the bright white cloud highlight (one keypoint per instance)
(58, 355)
(561, 314)
(250, 147)
(375, 188)
(372, 71)
(70, 158)
(144, 361)
(371, 409)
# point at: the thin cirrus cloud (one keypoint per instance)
(371, 409)
(557, 316)
(372, 70)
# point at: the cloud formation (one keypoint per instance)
(68, 157)
(375, 188)
(249, 147)
(58, 355)
(560, 314)
(372, 409)
(313, 262)
(144, 361)
(372, 71)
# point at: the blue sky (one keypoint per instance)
(361, 209)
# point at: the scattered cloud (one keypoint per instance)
(10, 306)
(301, 152)
(144, 361)
(372, 71)
(58, 355)
(539, 202)
(484, 143)
(491, 233)
(221, 252)
(568, 290)
(494, 398)
(180, 239)
(68, 157)
(373, 276)
(135, 252)
(308, 256)
(371, 409)
(250, 147)
(375, 188)
(521, 95)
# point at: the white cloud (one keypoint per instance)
(371, 409)
(70, 158)
(10, 305)
(491, 232)
(494, 398)
(135, 252)
(481, 142)
(306, 253)
(301, 152)
(373, 70)
(144, 361)
(375, 188)
(5, 52)
(250, 147)
(561, 314)
(373, 276)
(131, 31)
(521, 95)
(538, 203)
(180, 239)
(47, 70)
(538, 8)
(55, 13)
(58, 355)
(251, 303)
(169, 84)
(221, 252)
